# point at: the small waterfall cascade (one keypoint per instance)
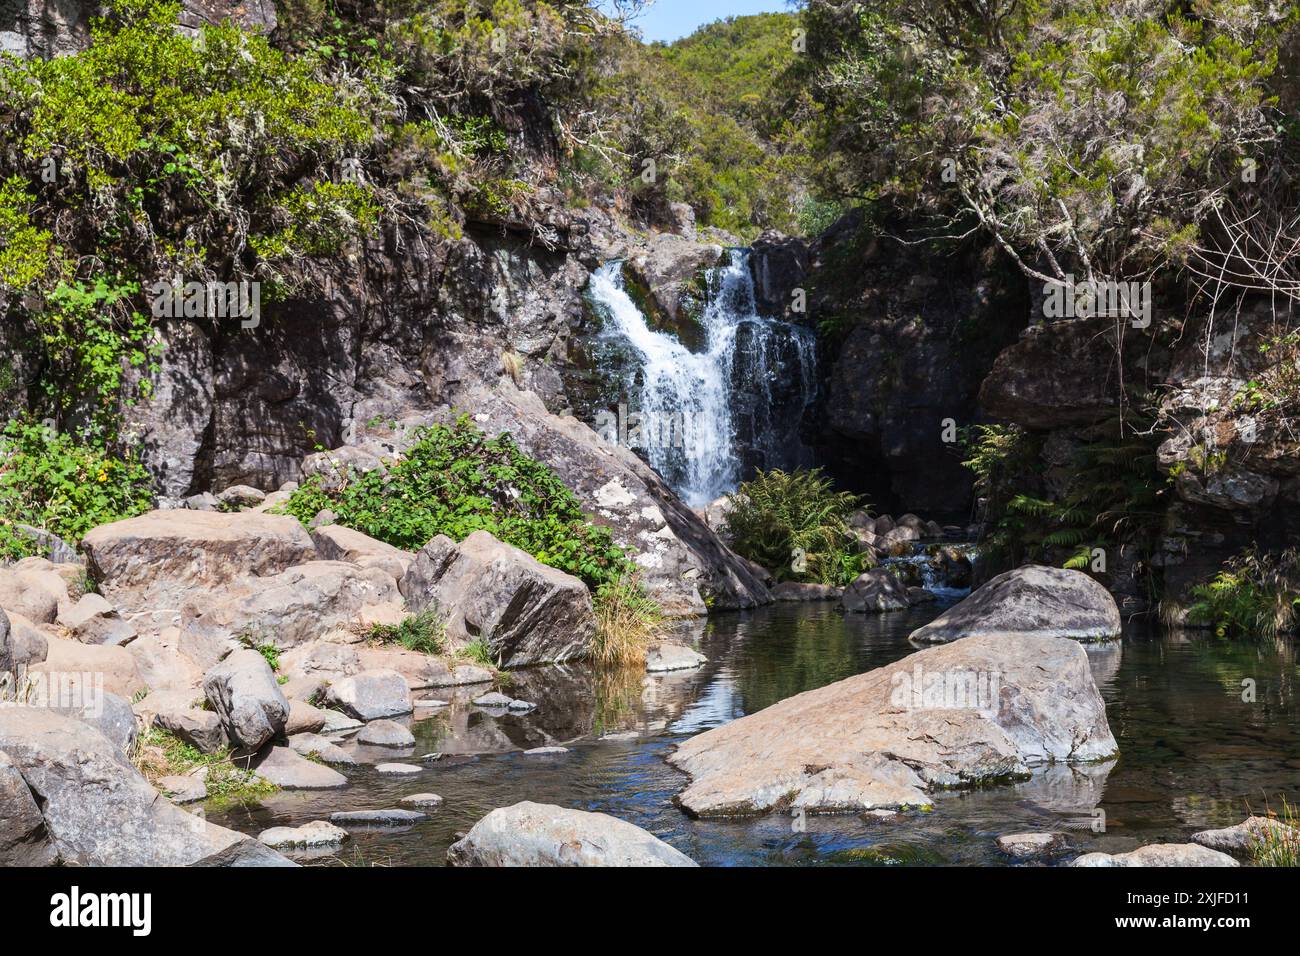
(706, 419)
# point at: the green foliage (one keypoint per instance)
(1254, 595)
(270, 653)
(454, 480)
(1279, 844)
(160, 753)
(478, 652)
(50, 481)
(1111, 496)
(1095, 138)
(424, 632)
(777, 517)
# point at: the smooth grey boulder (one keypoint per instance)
(34, 589)
(108, 713)
(289, 770)
(303, 718)
(243, 692)
(1243, 837)
(98, 809)
(1034, 599)
(371, 695)
(1159, 854)
(978, 710)
(527, 612)
(538, 834)
(385, 733)
(876, 591)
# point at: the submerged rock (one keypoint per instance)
(309, 835)
(1159, 854)
(1031, 846)
(1034, 599)
(672, 657)
(377, 818)
(979, 710)
(536, 834)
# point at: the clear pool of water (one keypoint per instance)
(1193, 753)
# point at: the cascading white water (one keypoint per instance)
(686, 403)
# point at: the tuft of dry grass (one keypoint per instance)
(627, 623)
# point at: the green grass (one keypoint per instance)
(227, 781)
(424, 632)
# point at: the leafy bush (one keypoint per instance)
(454, 480)
(1254, 595)
(424, 632)
(52, 482)
(778, 516)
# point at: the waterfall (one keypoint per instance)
(704, 420)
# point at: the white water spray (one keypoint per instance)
(687, 403)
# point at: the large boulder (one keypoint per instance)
(85, 669)
(23, 840)
(34, 589)
(1245, 836)
(878, 591)
(244, 694)
(682, 563)
(150, 565)
(371, 695)
(92, 620)
(286, 609)
(97, 809)
(1034, 599)
(1158, 854)
(21, 645)
(1057, 374)
(334, 542)
(978, 710)
(527, 612)
(538, 834)
(179, 712)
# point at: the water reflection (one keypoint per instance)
(1195, 750)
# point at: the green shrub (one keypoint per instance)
(454, 480)
(1254, 595)
(424, 632)
(779, 517)
(50, 481)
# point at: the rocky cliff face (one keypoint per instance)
(907, 339)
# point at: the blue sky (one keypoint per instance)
(670, 19)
